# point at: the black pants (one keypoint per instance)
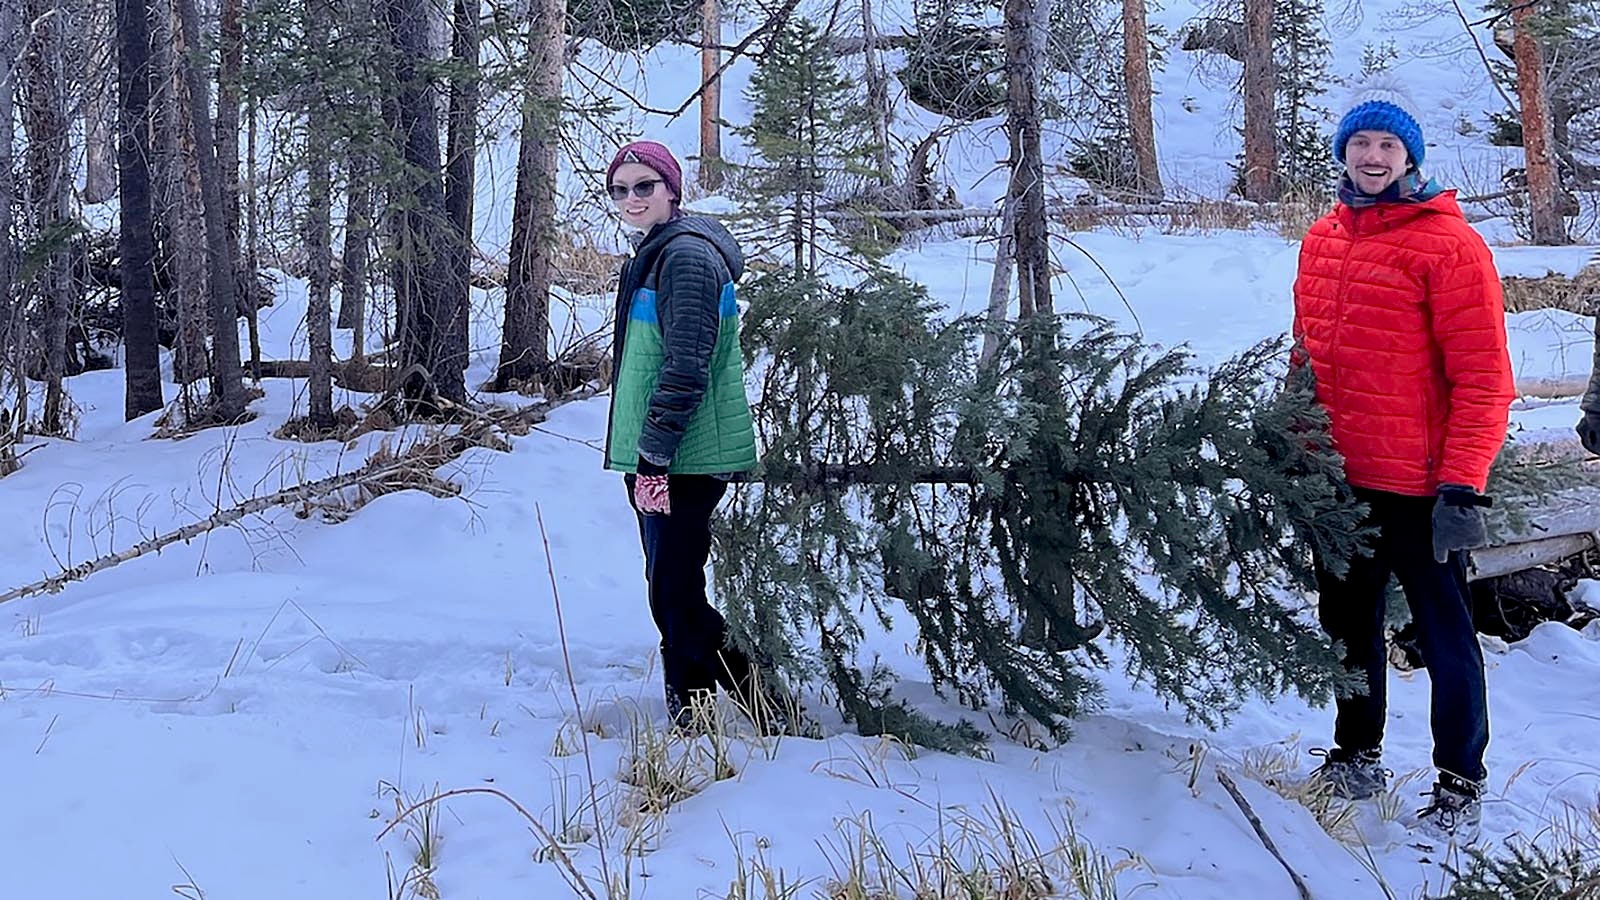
(694, 651)
(1352, 611)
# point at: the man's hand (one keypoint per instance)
(1589, 432)
(1458, 520)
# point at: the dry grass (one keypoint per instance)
(347, 424)
(990, 855)
(1578, 294)
(583, 268)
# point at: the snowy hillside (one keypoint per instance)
(246, 714)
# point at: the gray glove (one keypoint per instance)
(1589, 432)
(1458, 520)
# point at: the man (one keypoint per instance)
(1399, 314)
(1589, 426)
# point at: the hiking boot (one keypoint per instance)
(1455, 813)
(1350, 774)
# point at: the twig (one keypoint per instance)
(575, 878)
(1266, 840)
(48, 728)
(1488, 67)
(577, 705)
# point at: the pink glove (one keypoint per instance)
(650, 495)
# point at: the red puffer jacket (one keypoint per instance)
(1398, 308)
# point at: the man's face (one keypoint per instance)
(1374, 160)
(648, 211)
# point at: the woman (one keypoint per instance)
(680, 422)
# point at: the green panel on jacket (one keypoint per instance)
(721, 436)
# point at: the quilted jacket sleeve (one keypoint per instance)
(1469, 325)
(1591, 398)
(688, 303)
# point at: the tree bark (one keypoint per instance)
(434, 332)
(252, 239)
(1000, 282)
(318, 223)
(1260, 137)
(461, 153)
(177, 203)
(711, 165)
(229, 76)
(1544, 190)
(357, 241)
(44, 118)
(1025, 30)
(136, 240)
(227, 376)
(878, 108)
(99, 107)
(10, 301)
(1139, 96)
(525, 346)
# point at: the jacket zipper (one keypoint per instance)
(1338, 322)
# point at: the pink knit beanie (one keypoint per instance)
(656, 156)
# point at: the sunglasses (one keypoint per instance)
(641, 190)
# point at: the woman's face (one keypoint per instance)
(641, 212)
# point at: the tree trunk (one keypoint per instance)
(10, 300)
(711, 165)
(229, 75)
(525, 347)
(227, 377)
(252, 239)
(357, 240)
(461, 154)
(99, 107)
(177, 204)
(1260, 137)
(1025, 31)
(1139, 97)
(44, 118)
(1000, 283)
(319, 224)
(136, 241)
(434, 333)
(1544, 189)
(877, 93)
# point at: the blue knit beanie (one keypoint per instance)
(1382, 106)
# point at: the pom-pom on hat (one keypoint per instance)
(655, 155)
(1381, 106)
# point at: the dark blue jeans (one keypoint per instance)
(1352, 612)
(694, 652)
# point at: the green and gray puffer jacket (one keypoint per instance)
(1591, 397)
(677, 373)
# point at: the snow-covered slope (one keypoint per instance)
(240, 715)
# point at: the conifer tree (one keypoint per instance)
(810, 131)
(1305, 167)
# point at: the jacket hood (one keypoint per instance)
(701, 226)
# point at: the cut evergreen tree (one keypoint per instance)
(1110, 492)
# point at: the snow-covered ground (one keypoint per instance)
(243, 712)
(243, 715)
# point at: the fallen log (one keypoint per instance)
(431, 454)
(1567, 525)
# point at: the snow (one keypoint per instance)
(245, 713)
